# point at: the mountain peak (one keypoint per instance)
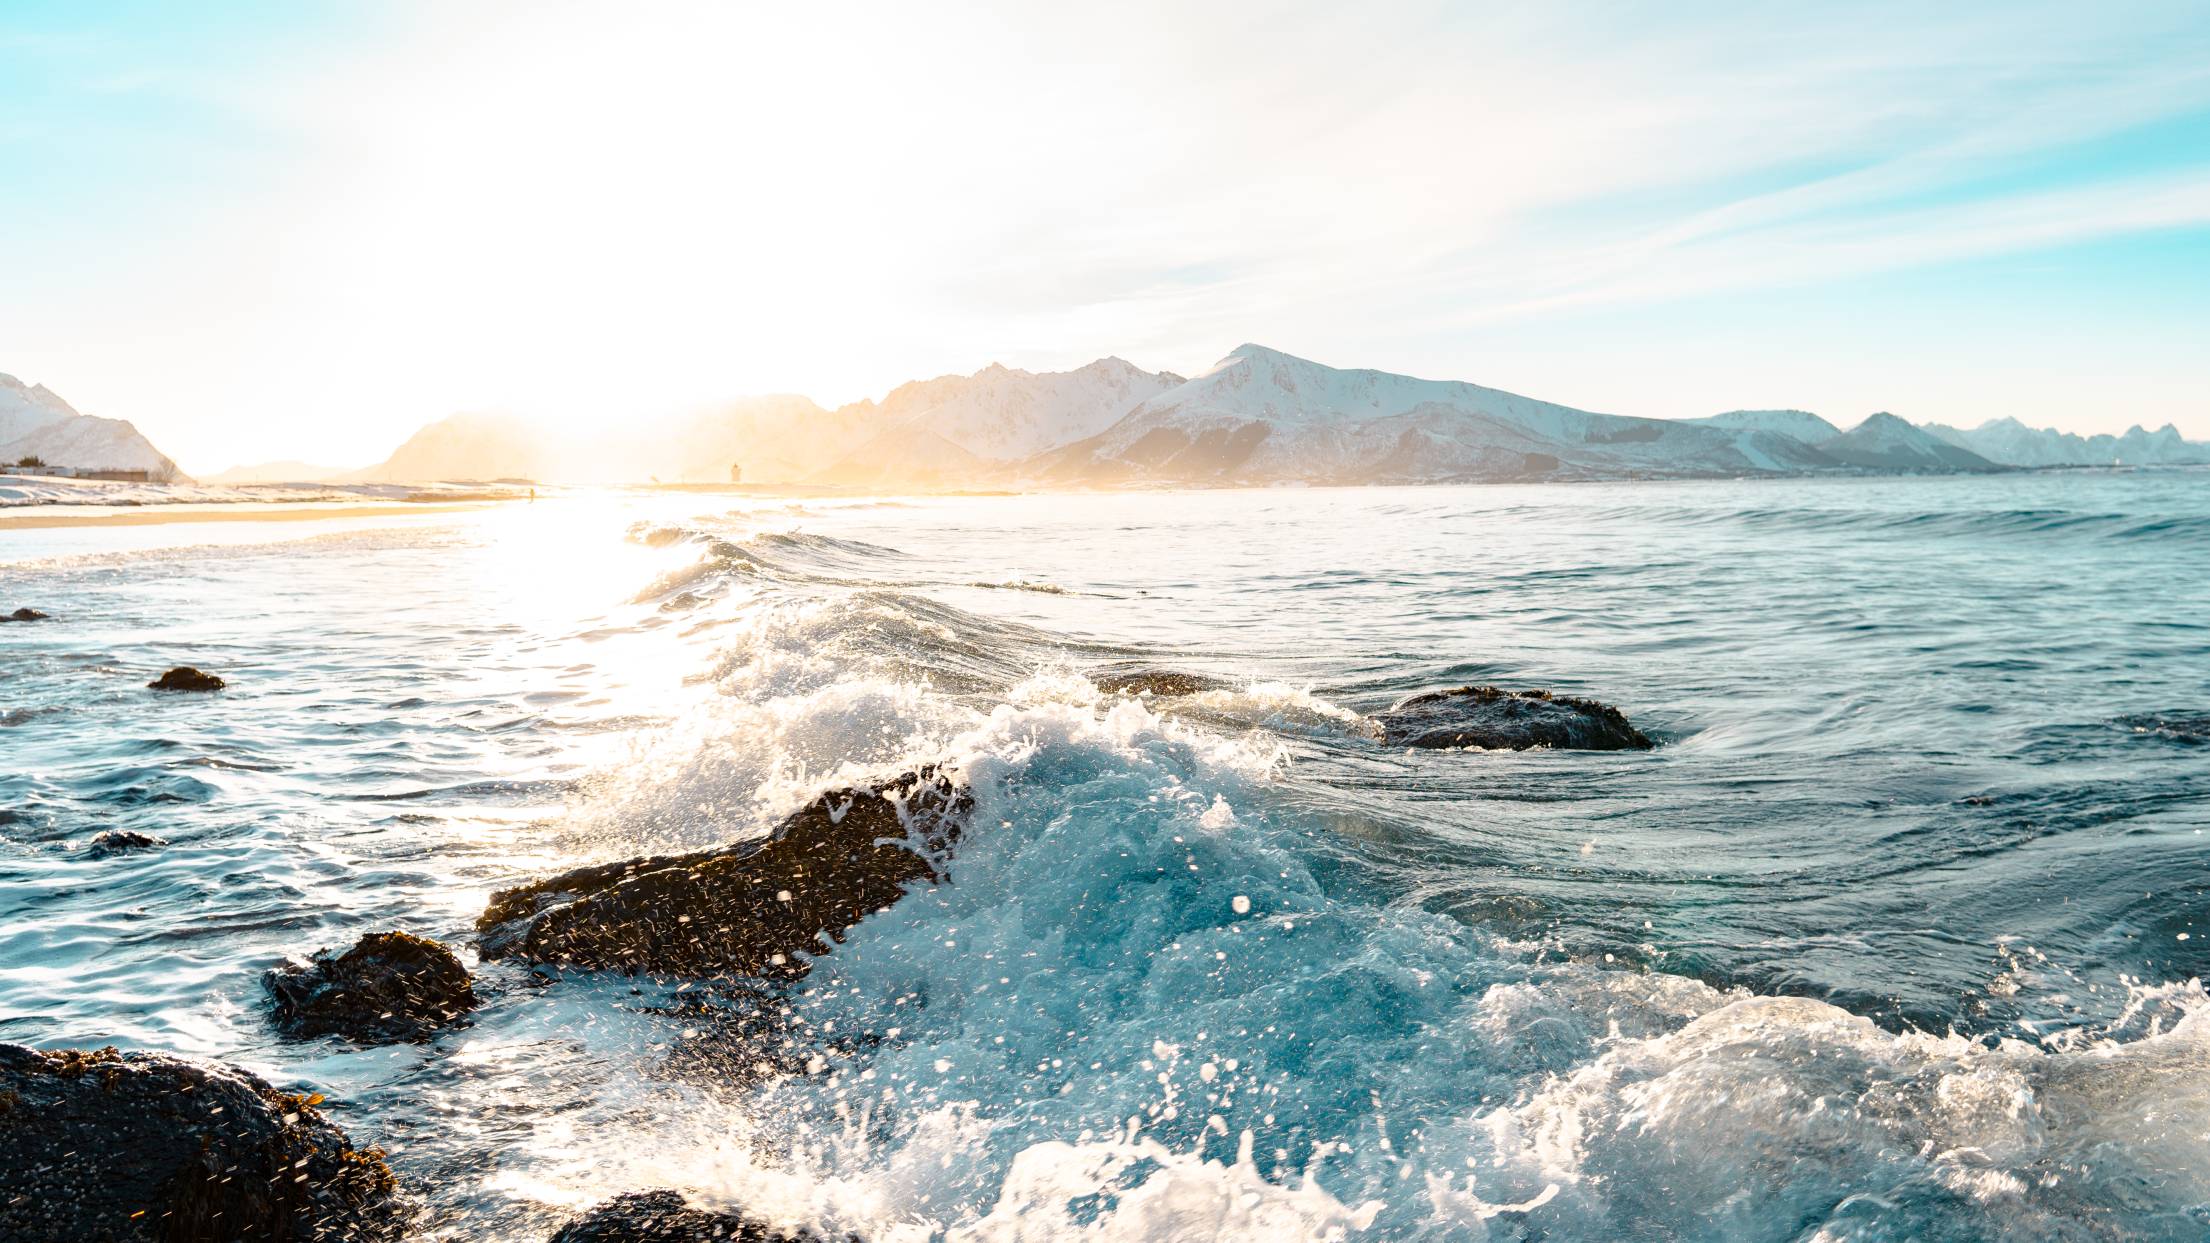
(1264, 354)
(36, 422)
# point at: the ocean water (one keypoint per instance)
(1895, 935)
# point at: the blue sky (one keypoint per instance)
(303, 230)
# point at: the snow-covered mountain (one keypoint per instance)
(1258, 416)
(1262, 415)
(25, 408)
(1800, 424)
(1885, 442)
(36, 422)
(2011, 443)
(958, 424)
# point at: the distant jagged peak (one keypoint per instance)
(1002, 414)
(1115, 366)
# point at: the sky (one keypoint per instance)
(301, 231)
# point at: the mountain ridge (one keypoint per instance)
(1258, 416)
(2012, 443)
(36, 423)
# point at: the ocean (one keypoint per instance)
(1895, 934)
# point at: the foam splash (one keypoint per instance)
(1139, 1011)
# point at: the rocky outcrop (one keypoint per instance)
(1152, 680)
(1499, 720)
(752, 909)
(121, 842)
(664, 1217)
(186, 678)
(23, 615)
(391, 987)
(145, 1148)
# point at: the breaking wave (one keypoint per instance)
(1894, 938)
(1155, 1001)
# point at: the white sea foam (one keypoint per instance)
(1137, 1013)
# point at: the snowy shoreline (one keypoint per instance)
(21, 491)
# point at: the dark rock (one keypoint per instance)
(389, 987)
(1498, 720)
(753, 908)
(1151, 680)
(2185, 729)
(146, 1148)
(664, 1217)
(186, 678)
(120, 842)
(23, 615)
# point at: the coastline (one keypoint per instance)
(224, 512)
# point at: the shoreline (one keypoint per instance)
(227, 512)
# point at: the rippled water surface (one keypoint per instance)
(1893, 936)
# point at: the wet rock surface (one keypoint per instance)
(1152, 680)
(122, 842)
(391, 987)
(2187, 729)
(665, 1217)
(1500, 720)
(749, 909)
(23, 615)
(97, 1145)
(186, 678)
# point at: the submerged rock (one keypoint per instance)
(23, 615)
(1151, 680)
(753, 908)
(2186, 729)
(664, 1217)
(186, 678)
(120, 842)
(1499, 720)
(96, 1144)
(390, 987)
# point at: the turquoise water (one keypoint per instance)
(1894, 935)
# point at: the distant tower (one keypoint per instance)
(736, 472)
